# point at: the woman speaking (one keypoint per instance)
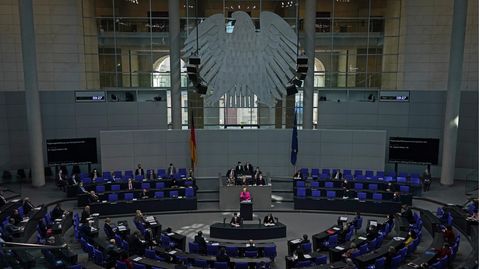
(245, 195)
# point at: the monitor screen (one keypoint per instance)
(372, 223)
(344, 219)
(413, 150)
(71, 150)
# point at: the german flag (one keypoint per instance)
(193, 144)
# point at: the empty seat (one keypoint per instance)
(193, 247)
(301, 192)
(358, 186)
(331, 194)
(388, 179)
(270, 251)
(129, 173)
(405, 189)
(380, 174)
(117, 174)
(182, 172)
(402, 174)
(107, 175)
(159, 185)
(331, 242)
(401, 179)
(300, 183)
(359, 177)
(321, 260)
(304, 172)
(173, 194)
(189, 192)
(326, 171)
(373, 187)
(347, 172)
(220, 265)
(358, 172)
(362, 196)
(316, 193)
(324, 176)
(328, 184)
(315, 184)
(158, 194)
(200, 263)
(251, 253)
(86, 180)
(315, 173)
(112, 197)
(146, 185)
(348, 177)
(161, 173)
(415, 181)
(100, 188)
(369, 174)
(212, 249)
(115, 187)
(128, 196)
(377, 196)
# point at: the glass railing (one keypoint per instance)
(471, 183)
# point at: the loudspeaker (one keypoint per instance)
(302, 60)
(194, 60)
(302, 69)
(291, 90)
(202, 88)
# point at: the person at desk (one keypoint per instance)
(304, 240)
(149, 237)
(396, 197)
(27, 205)
(171, 171)
(347, 255)
(245, 195)
(138, 219)
(93, 197)
(260, 180)
(250, 246)
(372, 232)
(235, 221)
(202, 243)
(343, 232)
(298, 175)
(346, 190)
(94, 175)
(392, 252)
(11, 230)
(139, 171)
(85, 215)
(57, 212)
(16, 217)
(222, 256)
(299, 255)
(449, 235)
(135, 244)
(248, 169)
(111, 254)
(408, 213)
(390, 219)
(231, 177)
(412, 235)
(144, 194)
(109, 228)
(239, 169)
(81, 189)
(130, 185)
(338, 175)
(268, 220)
(73, 180)
(443, 251)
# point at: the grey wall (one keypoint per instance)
(421, 117)
(218, 150)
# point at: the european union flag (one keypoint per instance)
(293, 154)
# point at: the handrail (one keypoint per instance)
(18, 246)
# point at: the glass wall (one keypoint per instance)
(127, 46)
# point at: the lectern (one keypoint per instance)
(246, 210)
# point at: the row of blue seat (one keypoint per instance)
(368, 173)
(362, 196)
(357, 186)
(232, 251)
(189, 193)
(161, 173)
(146, 186)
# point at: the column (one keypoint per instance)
(450, 127)
(309, 32)
(174, 35)
(32, 99)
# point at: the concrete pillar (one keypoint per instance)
(450, 128)
(174, 34)
(32, 99)
(309, 29)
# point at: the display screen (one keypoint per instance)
(72, 150)
(413, 150)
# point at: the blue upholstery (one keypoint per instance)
(161, 173)
(315, 173)
(241, 265)
(404, 189)
(300, 264)
(128, 196)
(200, 263)
(363, 248)
(117, 174)
(402, 174)
(251, 253)
(304, 172)
(112, 197)
(98, 257)
(121, 265)
(331, 194)
(316, 193)
(373, 186)
(358, 186)
(321, 260)
(232, 251)
(326, 171)
(324, 176)
(358, 172)
(139, 266)
(359, 177)
(100, 188)
(328, 184)
(401, 179)
(301, 192)
(139, 177)
(159, 185)
(315, 184)
(115, 187)
(415, 181)
(220, 265)
(182, 172)
(362, 196)
(307, 247)
(331, 242)
(347, 172)
(403, 252)
(369, 174)
(380, 174)
(159, 194)
(129, 173)
(396, 262)
(300, 183)
(212, 249)
(380, 263)
(189, 192)
(146, 185)
(86, 180)
(193, 247)
(348, 177)
(173, 194)
(377, 196)
(270, 251)
(388, 179)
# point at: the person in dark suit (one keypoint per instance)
(135, 245)
(260, 180)
(372, 232)
(231, 176)
(16, 217)
(202, 244)
(57, 212)
(257, 172)
(85, 215)
(111, 254)
(61, 180)
(149, 237)
(171, 171)
(248, 169)
(337, 175)
(144, 194)
(81, 188)
(300, 256)
(27, 205)
(239, 169)
(427, 179)
(11, 230)
(235, 221)
(3, 201)
(390, 254)
(222, 256)
(94, 174)
(139, 171)
(268, 219)
(92, 197)
(250, 246)
(298, 175)
(408, 213)
(109, 228)
(305, 239)
(73, 180)
(396, 197)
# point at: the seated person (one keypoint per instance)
(145, 194)
(27, 205)
(298, 175)
(304, 239)
(396, 197)
(390, 219)
(109, 228)
(248, 169)
(93, 197)
(250, 246)
(408, 214)
(94, 175)
(268, 220)
(135, 244)
(442, 252)
(392, 252)
(299, 255)
(202, 243)
(11, 230)
(150, 237)
(112, 253)
(260, 180)
(85, 230)
(257, 172)
(412, 235)
(343, 233)
(130, 185)
(245, 195)
(235, 221)
(16, 217)
(81, 189)
(222, 256)
(372, 232)
(449, 235)
(73, 180)
(85, 215)
(138, 219)
(57, 212)
(231, 177)
(348, 254)
(337, 174)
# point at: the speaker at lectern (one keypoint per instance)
(246, 205)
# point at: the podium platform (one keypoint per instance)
(248, 231)
(230, 196)
(246, 210)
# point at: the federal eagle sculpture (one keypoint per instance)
(246, 61)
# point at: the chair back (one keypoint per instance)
(158, 194)
(128, 196)
(100, 188)
(301, 192)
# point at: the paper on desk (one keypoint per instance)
(307, 256)
(172, 252)
(362, 238)
(137, 259)
(339, 248)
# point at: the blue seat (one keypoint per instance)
(362, 196)
(401, 179)
(388, 178)
(331, 242)
(324, 176)
(86, 180)
(301, 192)
(173, 194)
(270, 251)
(117, 174)
(307, 247)
(121, 265)
(241, 265)
(328, 184)
(100, 180)
(415, 181)
(139, 266)
(232, 251)
(139, 177)
(251, 253)
(129, 173)
(200, 263)
(380, 174)
(440, 212)
(300, 184)
(146, 185)
(112, 197)
(115, 187)
(189, 193)
(331, 194)
(326, 171)
(98, 257)
(360, 177)
(125, 246)
(158, 194)
(380, 263)
(159, 185)
(404, 189)
(128, 196)
(369, 174)
(300, 264)
(321, 260)
(373, 186)
(347, 172)
(358, 173)
(437, 265)
(193, 247)
(315, 184)
(212, 250)
(316, 193)
(396, 261)
(161, 173)
(363, 249)
(304, 172)
(182, 172)
(403, 252)
(402, 174)
(358, 186)
(76, 266)
(100, 188)
(377, 196)
(315, 173)
(90, 249)
(220, 265)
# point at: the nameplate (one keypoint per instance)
(137, 259)
(307, 256)
(296, 241)
(339, 248)
(362, 238)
